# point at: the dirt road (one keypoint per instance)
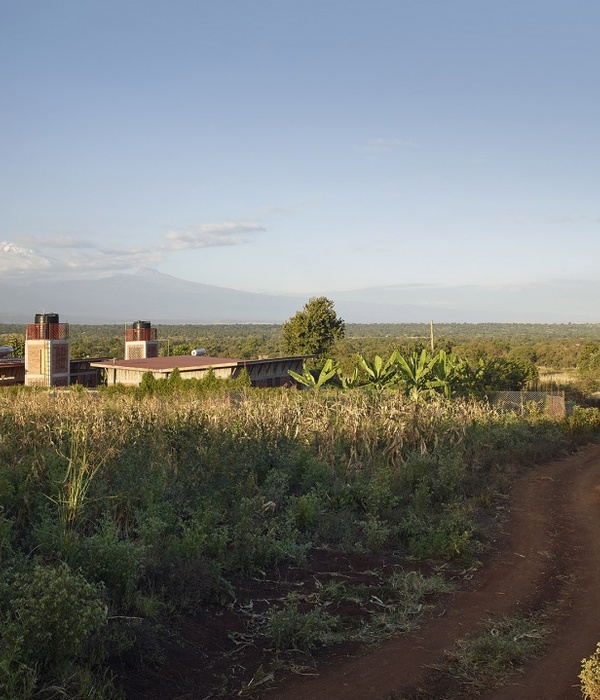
(549, 562)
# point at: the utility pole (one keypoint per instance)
(431, 335)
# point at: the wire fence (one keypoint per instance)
(551, 404)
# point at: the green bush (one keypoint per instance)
(448, 534)
(375, 534)
(305, 510)
(260, 537)
(115, 562)
(58, 611)
(584, 421)
(192, 564)
(50, 631)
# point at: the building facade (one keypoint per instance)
(47, 352)
(262, 373)
(140, 341)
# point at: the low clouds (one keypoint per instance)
(111, 260)
(53, 242)
(64, 257)
(17, 260)
(211, 235)
(70, 261)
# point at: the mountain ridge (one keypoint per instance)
(161, 298)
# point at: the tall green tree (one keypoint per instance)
(502, 374)
(588, 369)
(17, 343)
(314, 330)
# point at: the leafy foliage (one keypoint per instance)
(308, 378)
(314, 330)
(17, 343)
(379, 374)
(502, 374)
(418, 373)
(589, 368)
(291, 628)
(47, 629)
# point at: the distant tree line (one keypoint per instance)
(555, 347)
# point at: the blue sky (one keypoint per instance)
(305, 146)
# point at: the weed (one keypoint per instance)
(85, 448)
(48, 637)
(292, 629)
(490, 657)
(114, 562)
(375, 534)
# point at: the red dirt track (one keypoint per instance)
(549, 561)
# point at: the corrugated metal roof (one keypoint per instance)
(277, 359)
(183, 362)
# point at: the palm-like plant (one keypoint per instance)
(451, 371)
(418, 371)
(380, 374)
(349, 382)
(308, 379)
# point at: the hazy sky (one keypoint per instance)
(301, 145)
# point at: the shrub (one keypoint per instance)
(148, 384)
(51, 642)
(58, 611)
(375, 534)
(590, 676)
(114, 562)
(589, 369)
(584, 421)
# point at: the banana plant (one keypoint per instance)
(418, 373)
(380, 374)
(308, 379)
(451, 371)
(351, 381)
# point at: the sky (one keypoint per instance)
(301, 146)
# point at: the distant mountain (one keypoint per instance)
(15, 251)
(146, 295)
(559, 301)
(151, 295)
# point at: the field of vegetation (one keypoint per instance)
(124, 512)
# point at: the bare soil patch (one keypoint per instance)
(546, 560)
